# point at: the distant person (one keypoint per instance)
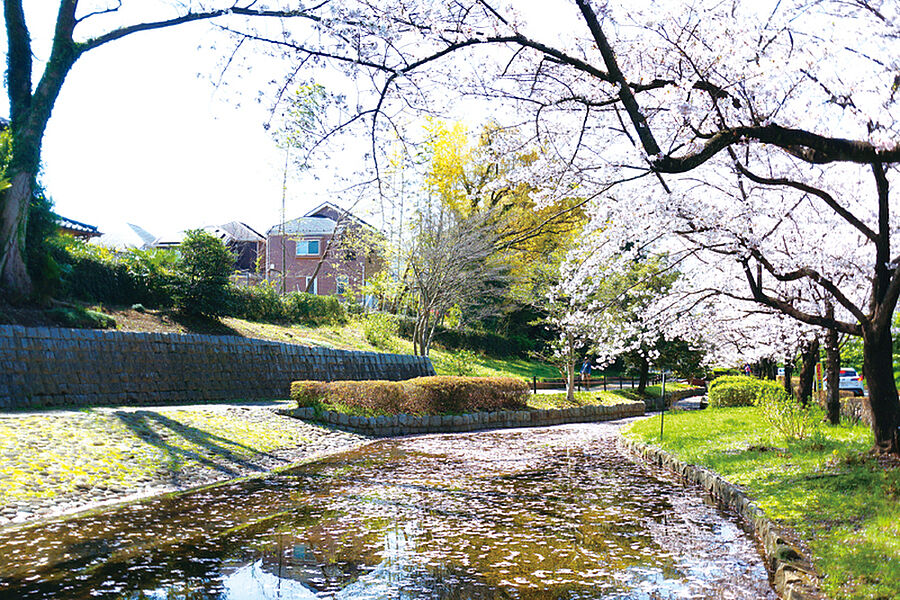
(586, 373)
(747, 370)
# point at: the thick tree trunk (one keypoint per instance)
(883, 400)
(808, 371)
(14, 279)
(644, 375)
(832, 376)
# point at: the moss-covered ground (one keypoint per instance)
(94, 455)
(840, 498)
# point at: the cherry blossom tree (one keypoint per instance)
(755, 141)
(791, 183)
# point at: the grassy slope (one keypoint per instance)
(350, 337)
(834, 493)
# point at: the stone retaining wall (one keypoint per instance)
(409, 424)
(41, 367)
(795, 578)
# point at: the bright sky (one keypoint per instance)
(137, 137)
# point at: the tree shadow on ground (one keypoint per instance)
(218, 454)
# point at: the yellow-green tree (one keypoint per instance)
(474, 175)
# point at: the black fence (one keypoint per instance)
(587, 384)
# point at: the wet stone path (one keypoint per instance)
(546, 513)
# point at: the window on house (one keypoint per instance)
(315, 286)
(343, 283)
(308, 248)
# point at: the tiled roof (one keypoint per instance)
(304, 226)
(74, 225)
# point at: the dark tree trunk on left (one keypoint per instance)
(30, 106)
(29, 114)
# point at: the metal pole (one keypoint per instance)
(662, 409)
(534, 383)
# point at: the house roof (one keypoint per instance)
(241, 232)
(234, 231)
(77, 226)
(331, 210)
(125, 235)
(304, 226)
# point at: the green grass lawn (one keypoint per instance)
(831, 490)
(607, 398)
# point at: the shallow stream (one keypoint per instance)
(546, 513)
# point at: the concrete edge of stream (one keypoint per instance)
(793, 574)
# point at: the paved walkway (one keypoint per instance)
(56, 462)
(693, 403)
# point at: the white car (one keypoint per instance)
(851, 381)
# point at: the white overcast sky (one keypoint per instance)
(139, 136)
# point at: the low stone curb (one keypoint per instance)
(394, 425)
(794, 576)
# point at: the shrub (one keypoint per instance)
(41, 232)
(205, 266)
(380, 330)
(257, 303)
(97, 274)
(736, 390)
(301, 307)
(264, 303)
(785, 414)
(462, 362)
(423, 395)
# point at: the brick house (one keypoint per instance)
(329, 238)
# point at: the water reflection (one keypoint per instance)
(527, 514)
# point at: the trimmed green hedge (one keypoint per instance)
(419, 396)
(738, 390)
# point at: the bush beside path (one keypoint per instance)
(58, 462)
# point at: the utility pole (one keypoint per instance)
(287, 153)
